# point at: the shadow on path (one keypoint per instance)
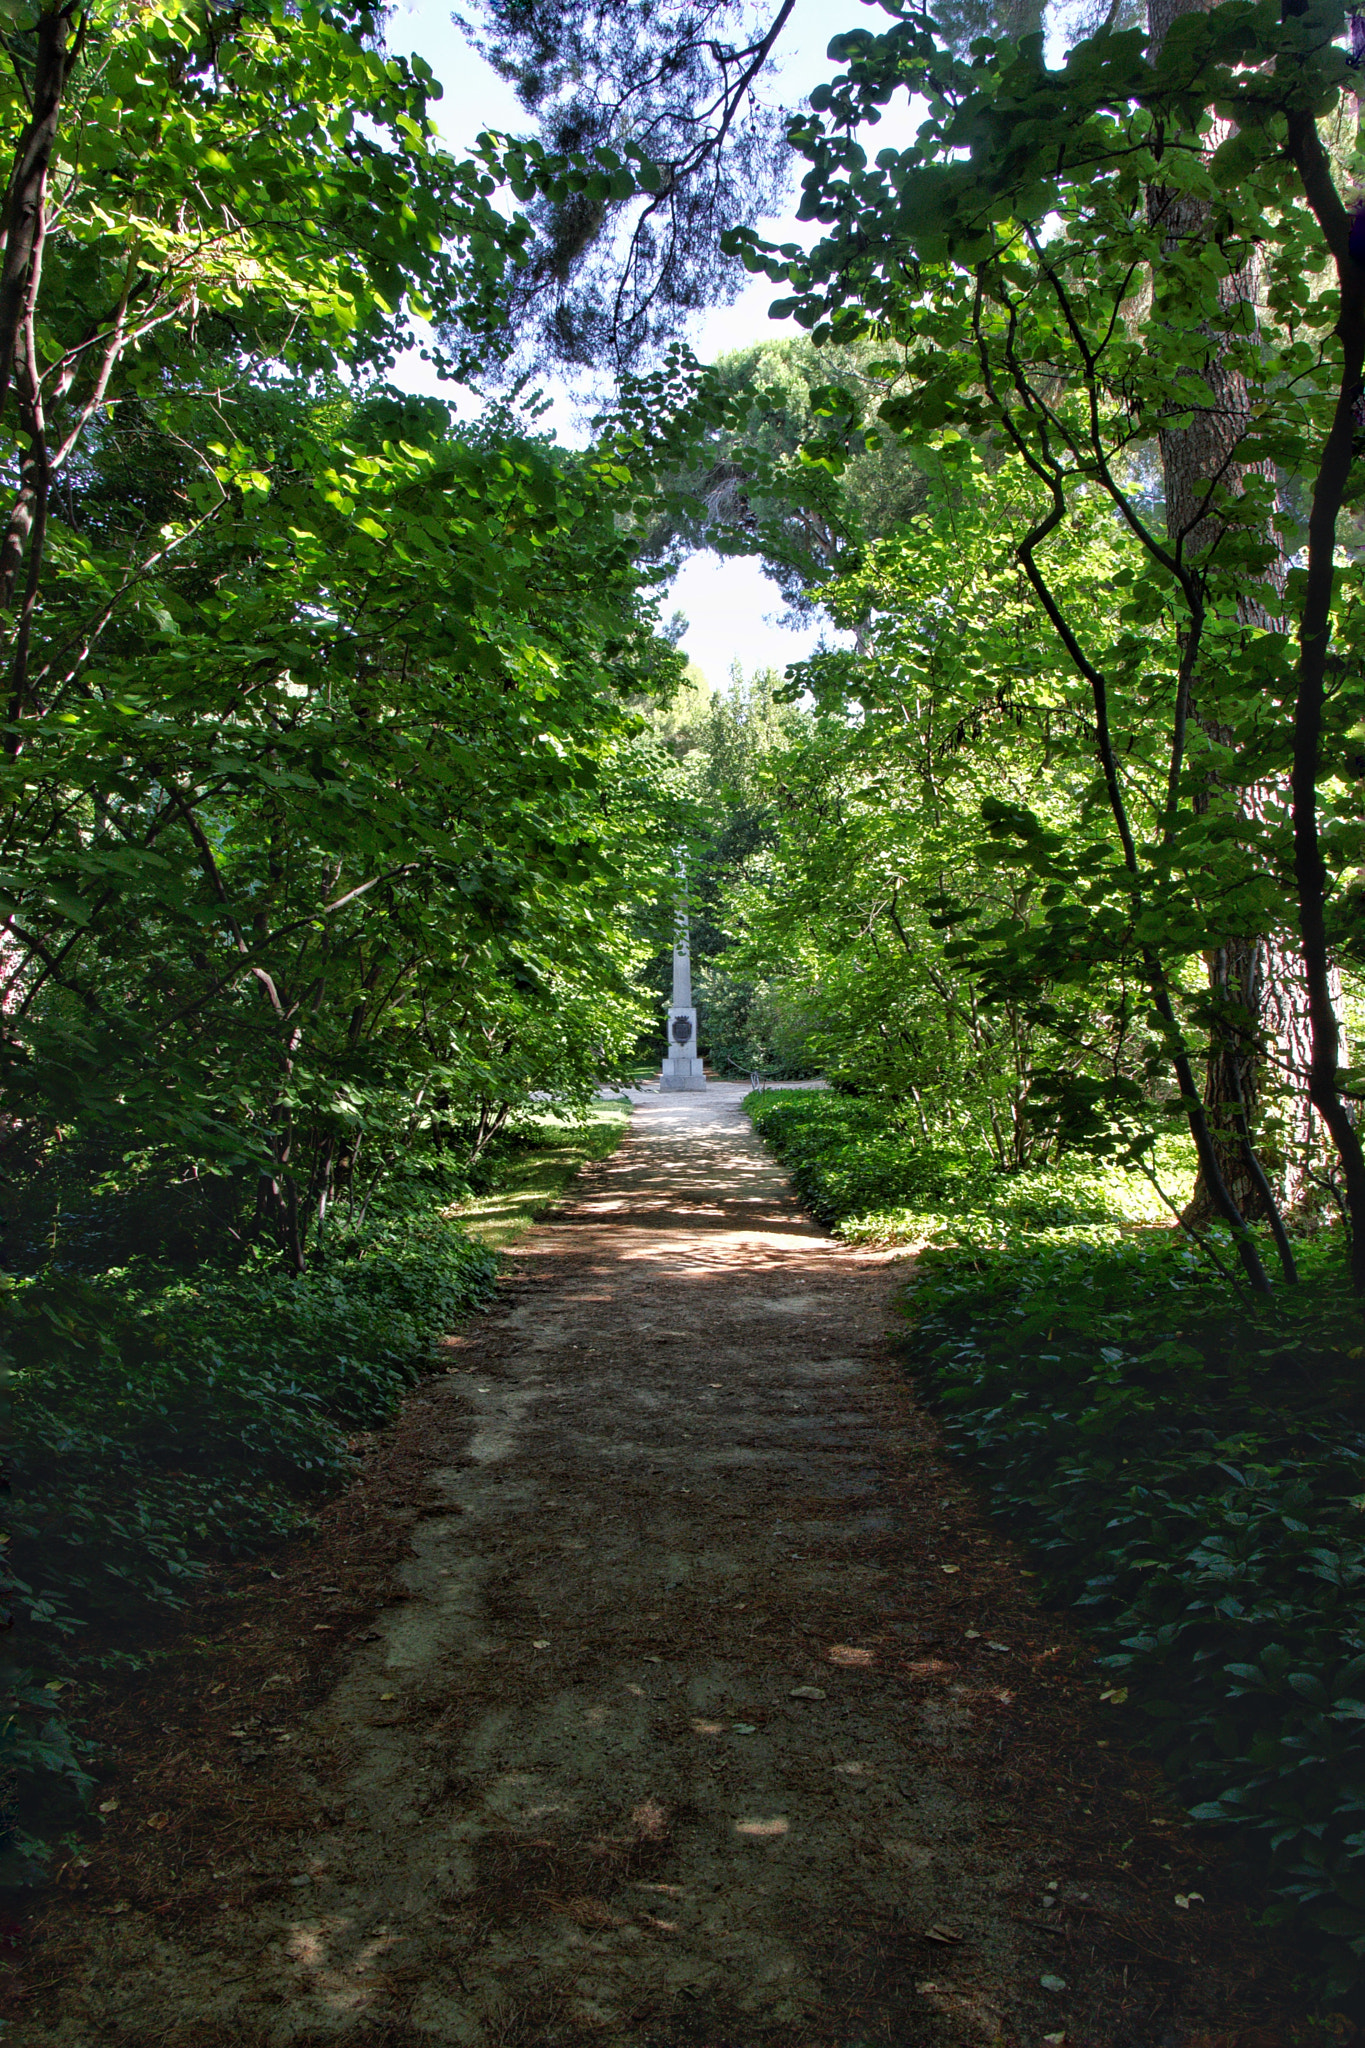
(690, 1723)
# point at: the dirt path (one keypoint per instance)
(704, 1713)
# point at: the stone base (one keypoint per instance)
(682, 1063)
(682, 1070)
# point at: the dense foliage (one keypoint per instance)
(338, 833)
(165, 1421)
(343, 771)
(889, 898)
(722, 740)
(752, 487)
(331, 835)
(871, 1171)
(1191, 1479)
(321, 815)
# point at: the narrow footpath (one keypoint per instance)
(700, 1708)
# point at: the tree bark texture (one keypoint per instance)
(1263, 1048)
(1329, 489)
(28, 177)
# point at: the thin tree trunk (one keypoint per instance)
(28, 176)
(1329, 489)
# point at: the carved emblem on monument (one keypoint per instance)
(682, 1029)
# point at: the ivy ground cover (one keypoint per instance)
(1188, 1468)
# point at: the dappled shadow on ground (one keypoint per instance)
(703, 1713)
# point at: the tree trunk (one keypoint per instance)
(1260, 1047)
(53, 59)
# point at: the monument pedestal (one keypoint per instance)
(682, 1061)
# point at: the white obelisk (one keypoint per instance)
(682, 1061)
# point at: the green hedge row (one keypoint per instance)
(1189, 1470)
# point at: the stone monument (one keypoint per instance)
(682, 1061)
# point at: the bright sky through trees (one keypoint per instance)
(731, 607)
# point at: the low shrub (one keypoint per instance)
(1190, 1472)
(872, 1176)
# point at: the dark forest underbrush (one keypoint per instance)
(1188, 1466)
(167, 1412)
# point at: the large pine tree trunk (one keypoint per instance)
(1258, 1059)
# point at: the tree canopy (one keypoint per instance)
(1003, 261)
(687, 84)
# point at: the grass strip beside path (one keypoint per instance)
(533, 1173)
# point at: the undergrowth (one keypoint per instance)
(873, 1177)
(1187, 1465)
(159, 1420)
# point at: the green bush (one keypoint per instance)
(871, 1175)
(1190, 1472)
(748, 1024)
(847, 1156)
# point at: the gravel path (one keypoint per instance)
(682, 1725)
